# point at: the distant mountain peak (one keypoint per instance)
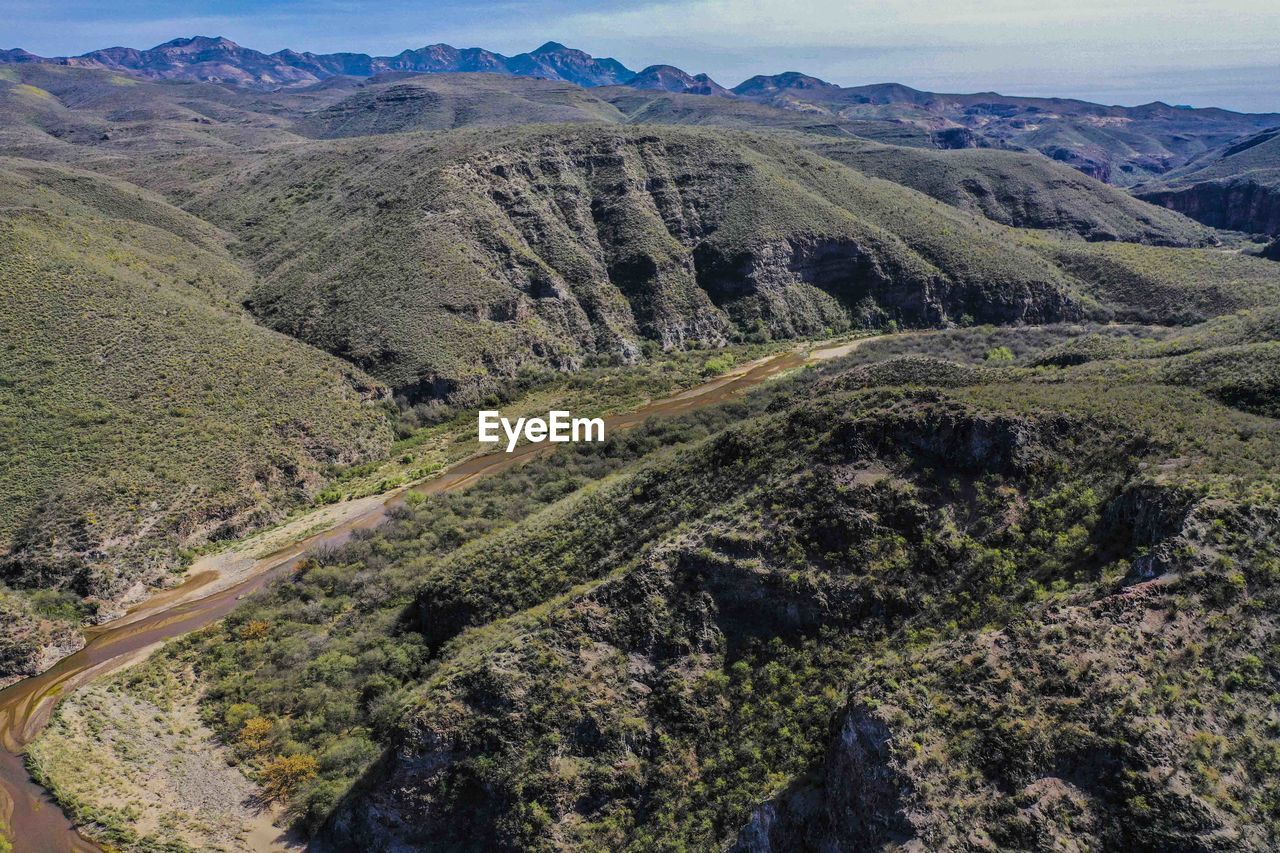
(671, 79)
(556, 62)
(17, 54)
(762, 83)
(220, 60)
(200, 43)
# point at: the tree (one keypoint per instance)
(255, 734)
(283, 774)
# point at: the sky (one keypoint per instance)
(1201, 52)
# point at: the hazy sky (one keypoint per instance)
(1201, 52)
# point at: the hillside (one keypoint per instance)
(490, 251)
(448, 101)
(486, 252)
(829, 615)
(1236, 186)
(1115, 144)
(1022, 190)
(650, 107)
(144, 411)
(103, 120)
(1119, 145)
(992, 567)
(483, 252)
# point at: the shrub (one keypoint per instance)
(998, 354)
(717, 365)
(255, 734)
(284, 774)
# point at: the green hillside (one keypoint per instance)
(483, 251)
(709, 631)
(1022, 190)
(1154, 285)
(650, 107)
(448, 101)
(143, 410)
(1001, 578)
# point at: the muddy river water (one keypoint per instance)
(36, 823)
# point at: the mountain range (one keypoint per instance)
(1115, 144)
(220, 60)
(942, 510)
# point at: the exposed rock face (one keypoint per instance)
(859, 806)
(557, 247)
(1236, 205)
(29, 644)
(1236, 186)
(802, 285)
(1095, 168)
(955, 137)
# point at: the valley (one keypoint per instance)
(936, 506)
(216, 585)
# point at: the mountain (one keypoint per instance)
(219, 60)
(216, 60)
(553, 246)
(763, 85)
(1024, 190)
(695, 237)
(996, 570)
(1236, 186)
(671, 79)
(1121, 145)
(145, 412)
(520, 247)
(18, 55)
(557, 62)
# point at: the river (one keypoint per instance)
(38, 825)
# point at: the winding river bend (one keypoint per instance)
(38, 825)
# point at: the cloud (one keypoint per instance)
(1031, 46)
(832, 23)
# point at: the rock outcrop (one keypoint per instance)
(858, 806)
(556, 247)
(1236, 205)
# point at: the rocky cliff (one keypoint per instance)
(1236, 205)
(557, 247)
(1234, 186)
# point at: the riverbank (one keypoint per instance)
(218, 582)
